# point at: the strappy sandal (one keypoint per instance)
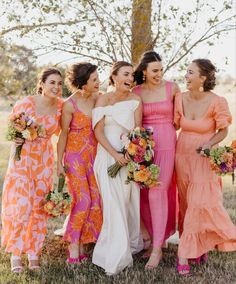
(183, 269)
(73, 260)
(34, 264)
(16, 265)
(84, 257)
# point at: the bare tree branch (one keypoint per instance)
(158, 24)
(32, 27)
(104, 31)
(203, 38)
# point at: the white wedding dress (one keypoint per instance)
(120, 236)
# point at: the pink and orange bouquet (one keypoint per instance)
(25, 127)
(58, 202)
(139, 144)
(223, 159)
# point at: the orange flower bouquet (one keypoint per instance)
(139, 143)
(24, 127)
(58, 202)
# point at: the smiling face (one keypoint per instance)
(154, 72)
(92, 85)
(52, 87)
(194, 80)
(124, 78)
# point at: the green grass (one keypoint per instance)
(219, 269)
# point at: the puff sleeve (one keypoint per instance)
(222, 114)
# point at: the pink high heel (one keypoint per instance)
(72, 260)
(84, 257)
(183, 269)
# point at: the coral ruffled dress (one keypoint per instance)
(204, 223)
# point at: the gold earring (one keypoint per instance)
(144, 77)
(201, 89)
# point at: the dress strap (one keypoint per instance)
(74, 104)
(137, 90)
(169, 90)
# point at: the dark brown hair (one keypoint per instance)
(207, 69)
(77, 75)
(147, 57)
(42, 77)
(115, 69)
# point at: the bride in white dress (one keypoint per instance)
(116, 113)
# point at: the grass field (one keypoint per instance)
(219, 269)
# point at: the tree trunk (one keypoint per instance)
(141, 28)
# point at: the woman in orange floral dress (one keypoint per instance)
(28, 181)
(77, 144)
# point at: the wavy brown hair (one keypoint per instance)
(115, 69)
(147, 57)
(42, 77)
(207, 69)
(77, 75)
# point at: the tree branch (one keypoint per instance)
(203, 38)
(104, 30)
(158, 24)
(32, 27)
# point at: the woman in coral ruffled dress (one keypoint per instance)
(204, 118)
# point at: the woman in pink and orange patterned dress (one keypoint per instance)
(77, 145)
(158, 204)
(28, 181)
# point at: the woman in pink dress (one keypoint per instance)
(29, 180)
(204, 118)
(77, 145)
(158, 204)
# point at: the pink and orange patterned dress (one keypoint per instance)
(85, 219)
(203, 221)
(26, 183)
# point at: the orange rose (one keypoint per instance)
(132, 149)
(142, 175)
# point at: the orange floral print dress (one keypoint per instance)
(26, 183)
(85, 219)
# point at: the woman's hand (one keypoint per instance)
(205, 149)
(19, 141)
(127, 156)
(60, 169)
(120, 158)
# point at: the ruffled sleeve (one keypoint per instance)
(97, 115)
(178, 109)
(222, 114)
(23, 105)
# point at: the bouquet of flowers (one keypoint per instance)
(222, 159)
(58, 202)
(24, 127)
(139, 143)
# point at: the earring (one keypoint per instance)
(144, 77)
(201, 89)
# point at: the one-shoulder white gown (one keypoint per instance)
(120, 236)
